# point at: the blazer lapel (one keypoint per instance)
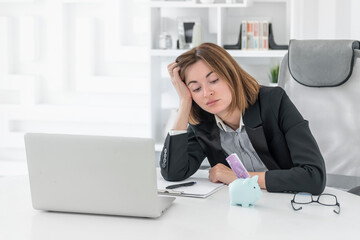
(254, 129)
(209, 133)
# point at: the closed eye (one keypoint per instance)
(214, 81)
(197, 89)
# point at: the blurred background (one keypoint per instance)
(99, 66)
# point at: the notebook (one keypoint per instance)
(94, 174)
(202, 189)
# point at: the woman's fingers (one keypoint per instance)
(221, 173)
(175, 75)
(171, 68)
(178, 83)
(174, 71)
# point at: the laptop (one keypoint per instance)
(94, 174)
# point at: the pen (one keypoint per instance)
(180, 185)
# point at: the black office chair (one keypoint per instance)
(322, 78)
(355, 190)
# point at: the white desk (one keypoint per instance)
(188, 218)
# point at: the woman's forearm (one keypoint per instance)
(182, 117)
(261, 179)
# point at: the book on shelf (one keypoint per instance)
(250, 35)
(243, 34)
(255, 35)
(264, 35)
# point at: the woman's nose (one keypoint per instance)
(208, 91)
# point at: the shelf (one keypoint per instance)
(258, 53)
(163, 4)
(220, 23)
(234, 53)
(166, 53)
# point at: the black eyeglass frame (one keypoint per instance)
(317, 201)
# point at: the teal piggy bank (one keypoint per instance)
(244, 192)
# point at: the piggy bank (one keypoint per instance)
(244, 192)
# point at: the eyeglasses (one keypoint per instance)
(323, 199)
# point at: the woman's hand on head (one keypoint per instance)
(181, 88)
(221, 173)
(183, 113)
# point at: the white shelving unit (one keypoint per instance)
(234, 53)
(221, 24)
(195, 4)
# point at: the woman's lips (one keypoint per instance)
(210, 103)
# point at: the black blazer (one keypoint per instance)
(278, 133)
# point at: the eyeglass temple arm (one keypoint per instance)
(337, 212)
(296, 209)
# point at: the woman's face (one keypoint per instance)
(209, 91)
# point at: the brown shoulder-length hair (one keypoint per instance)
(244, 88)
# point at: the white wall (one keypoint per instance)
(81, 66)
(326, 19)
(72, 66)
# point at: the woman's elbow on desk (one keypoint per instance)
(173, 177)
(317, 180)
(319, 185)
(311, 180)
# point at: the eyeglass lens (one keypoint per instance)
(327, 199)
(303, 198)
(323, 199)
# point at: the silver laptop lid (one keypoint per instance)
(92, 174)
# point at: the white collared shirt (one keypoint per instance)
(237, 141)
(220, 123)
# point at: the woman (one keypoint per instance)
(224, 110)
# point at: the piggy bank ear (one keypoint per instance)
(254, 179)
(246, 181)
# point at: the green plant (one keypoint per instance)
(274, 73)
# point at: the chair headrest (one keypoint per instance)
(321, 63)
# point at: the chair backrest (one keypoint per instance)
(322, 78)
